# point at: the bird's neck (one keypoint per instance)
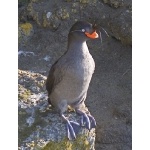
(76, 46)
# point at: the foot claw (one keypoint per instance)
(92, 120)
(71, 127)
(76, 126)
(70, 132)
(87, 120)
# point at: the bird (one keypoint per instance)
(69, 78)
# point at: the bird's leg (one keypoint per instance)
(72, 128)
(87, 120)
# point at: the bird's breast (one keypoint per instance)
(81, 70)
(76, 78)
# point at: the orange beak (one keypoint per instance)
(94, 35)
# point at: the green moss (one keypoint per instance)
(40, 85)
(26, 28)
(25, 95)
(25, 31)
(65, 14)
(80, 143)
(62, 14)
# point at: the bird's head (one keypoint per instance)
(83, 30)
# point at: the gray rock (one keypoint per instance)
(40, 127)
(51, 14)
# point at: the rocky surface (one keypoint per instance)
(43, 30)
(53, 14)
(40, 127)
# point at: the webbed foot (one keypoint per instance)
(87, 120)
(71, 127)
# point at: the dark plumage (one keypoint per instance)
(69, 77)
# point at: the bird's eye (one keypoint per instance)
(83, 30)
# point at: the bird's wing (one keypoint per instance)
(55, 76)
(52, 79)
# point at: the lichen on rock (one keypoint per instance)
(26, 28)
(25, 31)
